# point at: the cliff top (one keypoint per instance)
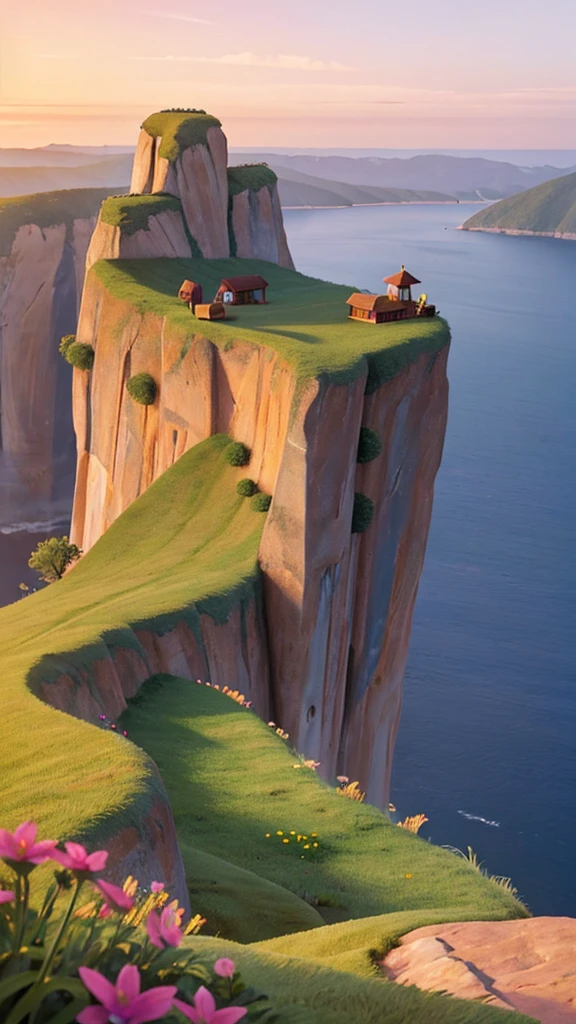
(549, 207)
(46, 209)
(304, 321)
(179, 129)
(131, 213)
(250, 176)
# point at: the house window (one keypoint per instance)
(228, 297)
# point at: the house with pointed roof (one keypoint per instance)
(397, 304)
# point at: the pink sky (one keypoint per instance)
(303, 73)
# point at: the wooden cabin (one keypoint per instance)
(248, 290)
(191, 293)
(210, 311)
(397, 304)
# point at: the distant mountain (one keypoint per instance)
(464, 178)
(298, 189)
(56, 156)
(548, 209)
(113, 172)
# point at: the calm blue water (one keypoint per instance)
(489, 720)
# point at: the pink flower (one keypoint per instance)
(6, 896)
(163, 930)
(123, 1003)
(116, 899)
(204, 1010)
(21, 847)
(225, 967)
(156, 886)
(77, 859)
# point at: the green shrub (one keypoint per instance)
(65, 343)
(142, 388)
(369, 445)
(261, 502)
(363, 512)
(80, 355)
(51, 558)
(238, 454)
(247, 487)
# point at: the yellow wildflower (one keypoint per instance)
(285, 840)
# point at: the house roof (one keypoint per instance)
(374, 303)
(402, 279)
(244, 284)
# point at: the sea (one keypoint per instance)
(487, 743)
(486, 748)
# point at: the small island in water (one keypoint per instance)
(548, 210)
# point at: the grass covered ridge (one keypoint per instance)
(132, 213)
(46, 209)
(179, 130)
(550, 207)
(305, 319)
(251, 177)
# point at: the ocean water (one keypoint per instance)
(487, 744)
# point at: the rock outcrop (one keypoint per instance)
(337, 605)
(527, 965)
(256, 224)
(139, 227)
(43, 244)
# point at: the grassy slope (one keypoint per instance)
(305, 319)
(46, 209)
(547, 207)
(203, 553)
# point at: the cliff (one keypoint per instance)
(337, 604)
(43, 244)
(548, 209)
(184, 201)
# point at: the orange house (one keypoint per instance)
(397, 304)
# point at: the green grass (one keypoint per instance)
(250, 176)
(47, 209)
(232, 780)
(188, 545)
(179, 130)
(548, 208)
(132, 213)
(305, 320)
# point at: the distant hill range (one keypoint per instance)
(548, 209)
(304, 179)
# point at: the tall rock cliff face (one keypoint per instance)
(337, 605)
(184, 201)
(43, 244)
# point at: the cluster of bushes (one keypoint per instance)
(238, 454)
(142, 388)
(77, 353)
(182, 110)
(369, 445)
(362, 513)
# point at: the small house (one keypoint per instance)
(248, 290)
(190, 293)
(397, 304)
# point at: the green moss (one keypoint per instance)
(250, 177)
(132, 213)
(369, 445)
(238, 454)
(142, 388)
(80, 355)
(246, 487)
(363, 512)
(305, 320)
(179, 130)
(261, 502)
(46, 209)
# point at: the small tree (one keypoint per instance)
(369, 445)
(261, 502)
(52, 557)
(237, 454)
(246, 487)
(80, 355)
(362, 512)
(142, 388)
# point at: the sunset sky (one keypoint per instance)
(300, 73)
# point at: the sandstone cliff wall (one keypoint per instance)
(337, 605)
(164, 236)
(258, 227)
(41, 277)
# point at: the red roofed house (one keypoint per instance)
(248, 290)
(397, 304)
(191, 293)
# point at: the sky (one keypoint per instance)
(500, 74)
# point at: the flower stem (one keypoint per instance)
(49, 958)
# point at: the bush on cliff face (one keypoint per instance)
(237, 454)
(65, 343)
(369, 445)
(261, 502)
(246, 487)
(51, 558)
(80, 355)
(142, 388)
(362, 513)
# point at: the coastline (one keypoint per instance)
(563, 236)
(416, 202)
